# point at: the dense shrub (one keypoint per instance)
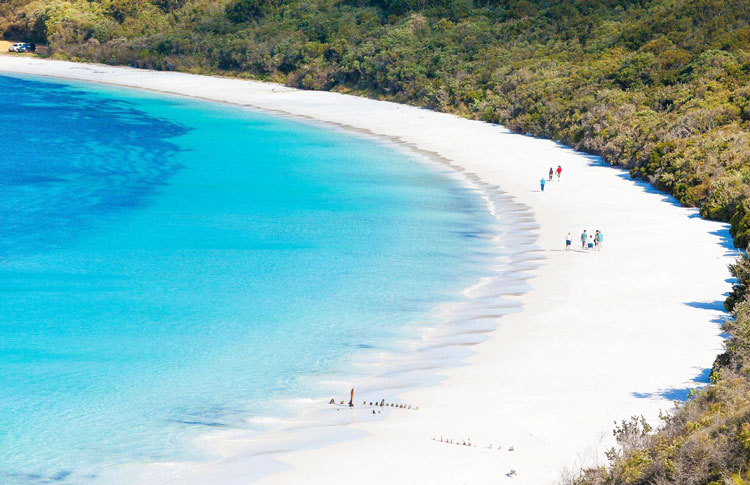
(239, 11)
(740, 270)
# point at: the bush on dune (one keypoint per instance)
(740, 271)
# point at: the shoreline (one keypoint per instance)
(441, 338)
(601, 336)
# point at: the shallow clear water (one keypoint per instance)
(169, 266)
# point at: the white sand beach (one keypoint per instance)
(600, 336)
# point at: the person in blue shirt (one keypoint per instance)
(543, 182)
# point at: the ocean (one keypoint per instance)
(171, 266)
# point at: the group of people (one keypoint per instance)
(588, 241)
(552, 172)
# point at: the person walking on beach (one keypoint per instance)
(542, 182)
(559, 171)
(568, 242)
(596, 239)
(599, 240)
(584, 239)
(551, 172)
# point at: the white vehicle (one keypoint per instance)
(19, 47)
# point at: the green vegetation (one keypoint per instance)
(741, 289)
(707, 439)
(657, 86)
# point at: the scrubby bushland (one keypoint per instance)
(658, 86)
(740, 270)
(706, 441)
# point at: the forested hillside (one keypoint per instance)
(661, 87)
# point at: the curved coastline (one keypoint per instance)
(442, 340)
(602, 336)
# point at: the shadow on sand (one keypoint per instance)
(678, 393)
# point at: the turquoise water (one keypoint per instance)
(169, 266)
